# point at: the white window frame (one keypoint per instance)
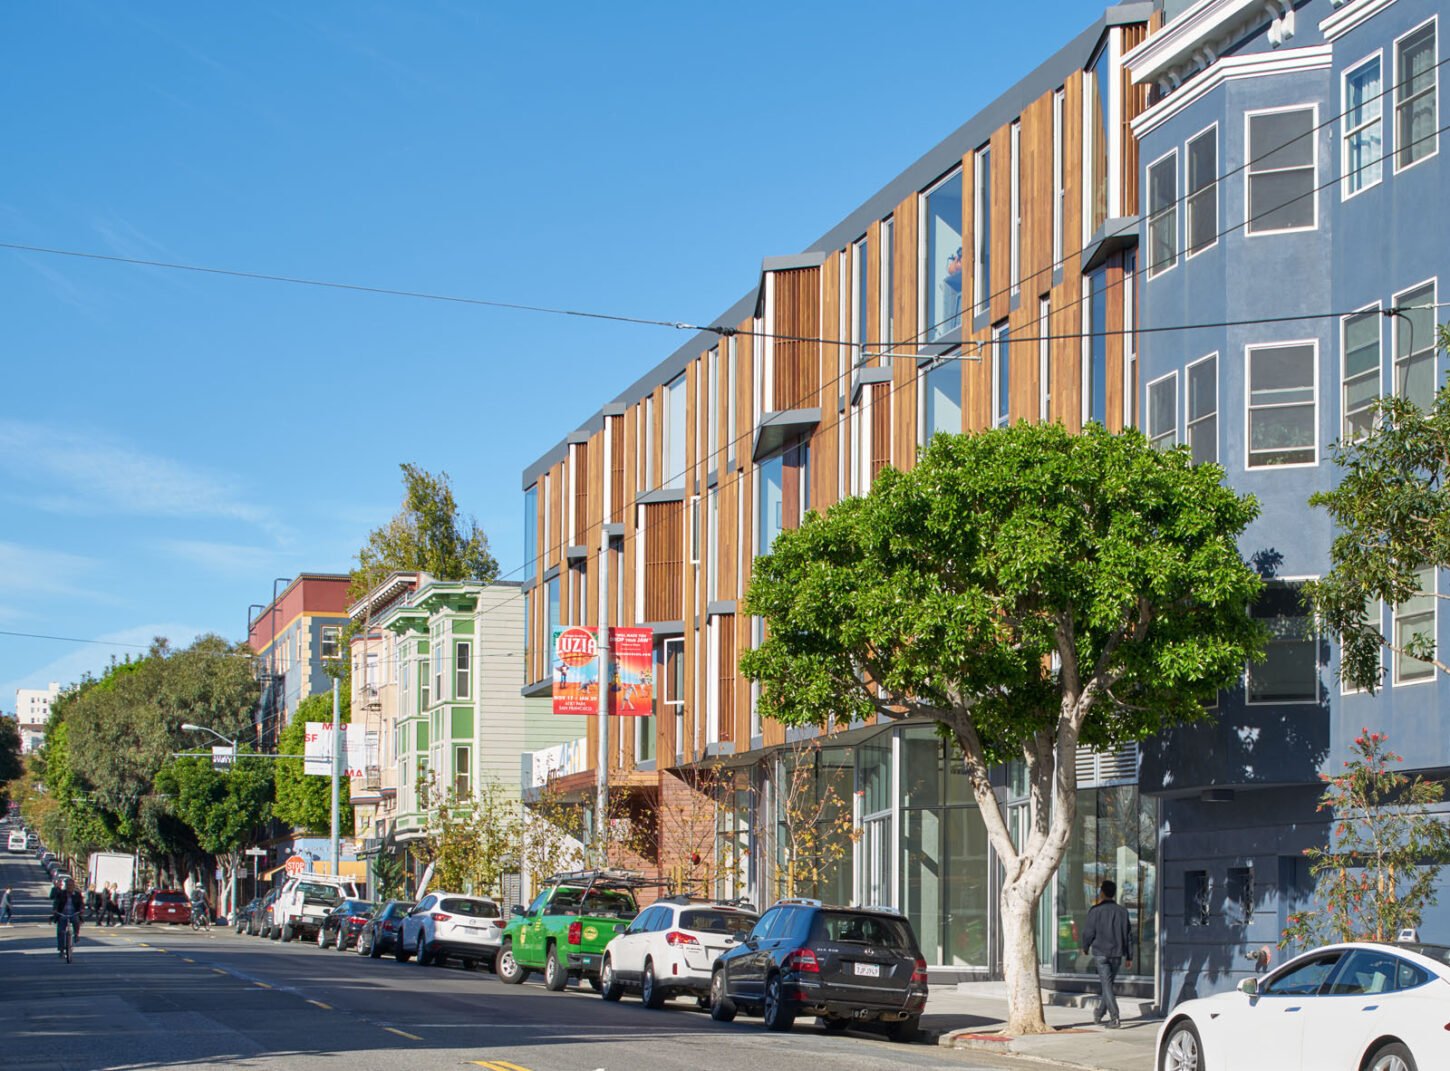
(1149, 413)
(1315, 639)
(1432, 672)
(1344, 354)
(1395, 111)
(1379, 622)
(1188, 419)
(1188, 251)
(1314, 185)
(1346, 132)
(665, 645)
(860, 256)
(1398, 325)
(1159, 267)
(885, 290)
(1130, 338)
(1014, 248)
(694, 534)
(981, 217)
(730, 443)
(1001, 341)
(336, 641)
(1044, 358)
(923, 270)
(712, 419)
(1059, 191)
(1249, 350)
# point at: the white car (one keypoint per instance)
(451, 924)
(305, 901)
(670, 948)
(16, 841)
(1347, 1007)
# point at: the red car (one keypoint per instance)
(164, 905)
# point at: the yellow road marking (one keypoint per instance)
(319, 1004)
(217, 970)
(402, 1033)
(185, 960)
(264, 985)
(501, 1065)
(145, 945)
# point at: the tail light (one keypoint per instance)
(359, 919)
(802, 960)
(918, 974)
(438, 916)
(576, 933)
(390, 925)
(675, 937)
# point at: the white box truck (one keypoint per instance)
(113, 868)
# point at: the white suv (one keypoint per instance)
(451, 924)
(304, 901)
(670, 948)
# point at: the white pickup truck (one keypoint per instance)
(304, 900)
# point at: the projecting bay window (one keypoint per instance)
(1360, 376)
(1201, 187)
(1001, 376)
(1201, 406)
(942, 250)
(1415, 632)
(941, 399)
(1289, 672)
(1163, 213)
(1163, 412)
(1417, 136)
(1362, 143)
(1282, 165)
(1282, 404)
(1414, 330)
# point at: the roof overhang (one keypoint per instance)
(1113, 236)
(778, 429)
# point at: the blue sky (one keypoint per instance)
(171, 442)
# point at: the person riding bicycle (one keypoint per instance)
(200, 913)
(66, 905)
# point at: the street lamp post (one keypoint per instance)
(193, 728)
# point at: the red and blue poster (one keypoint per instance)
(632, 691)
(576, 671)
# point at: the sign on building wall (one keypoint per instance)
(576, 671)
(359, 750)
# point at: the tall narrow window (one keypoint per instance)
(552, 608)
(1001, 376)
(463, 771)
(1163, 412)
(1282, 154)
(982, 228)
(531, 533)
(462, 670)
(1362, 148)
(1360, 377)
(1014, 249)
(1414, 327)
(730, 434)
(1201, 426)
(770, 505)
(1095, 350)
(888, 287)
(860, 257)
(649, 442)
(941, 400)
(712, 419)
(674, 428)
(438, 653)
(1415, 632)
(1163, 213)
(548, 515)
(1059, 191)
(1416, 131)
(1130, 335)
(1289, 672)
(1044, 359)
(712, 546)
(1100, 138)
(942, 273)
(694, 532)
(1201, 204)
(1282, 405)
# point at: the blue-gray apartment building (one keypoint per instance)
(1294, 246)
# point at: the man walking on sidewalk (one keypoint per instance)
(1107, 936)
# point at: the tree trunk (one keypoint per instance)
(1019, 963)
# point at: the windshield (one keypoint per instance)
(841, 927)
(481, 909)
(714, 920)
(315, 891)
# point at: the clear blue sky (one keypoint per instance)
(171, 442)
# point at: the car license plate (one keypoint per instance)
(868, 970)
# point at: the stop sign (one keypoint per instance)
(295, 865)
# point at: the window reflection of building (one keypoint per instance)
(943, 269)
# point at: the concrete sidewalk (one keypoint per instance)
(972, 1016)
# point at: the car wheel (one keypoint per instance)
(375, 950)
(1391, 1057)
(321, 938)
(609, 987)
(509, 971)
(400, 949)
(650, 993)
(778, 1013)
(423, 956)
(341, 943)
(1182, 1050)
(722, 1009)
(904, 1030)
(555, 976)
(287, 932)
(834, 1024)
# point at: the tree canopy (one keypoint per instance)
(304, 801)
(1391, 511)
(1030, 590)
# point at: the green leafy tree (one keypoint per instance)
(390, 878)
(11, 764)
(472, 841)
(1391, 509)
(224, 808)
(1030, 590)
(1379, 873)
(304, 801)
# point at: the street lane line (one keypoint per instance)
(185, 960)
(402, 1033)
(264, 985)
(500, 1065)
(319, 1004)
(217, 970)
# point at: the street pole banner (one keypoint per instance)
(359, 750)
(576, 671)
(631, 690)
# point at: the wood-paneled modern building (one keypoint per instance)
(991, 281)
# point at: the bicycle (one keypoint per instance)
(200, 917)
(67, 921)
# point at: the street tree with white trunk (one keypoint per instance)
(1032, 591)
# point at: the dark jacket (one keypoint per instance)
(1108, 932)
(62, 901)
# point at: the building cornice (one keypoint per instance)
(1349, 16)
(1195, 40)
(1255, 65)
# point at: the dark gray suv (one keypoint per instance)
(844, 964)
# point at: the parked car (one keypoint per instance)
(261, 921)
(242, 917)
(15, 842)
(564, 931)
(671, 947)
(380, 933)
(304, 901)
(450, 924)
(1376, 1007)
(165, 905)
(341, 925)
(843, 964)
(32, 839)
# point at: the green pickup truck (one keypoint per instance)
(564, 931)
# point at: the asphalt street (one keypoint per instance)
(159, 996)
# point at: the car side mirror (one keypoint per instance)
(1249, 987)
(517, 909)
(742, 937)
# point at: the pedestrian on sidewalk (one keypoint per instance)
(1107, 936)
(5, 907)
